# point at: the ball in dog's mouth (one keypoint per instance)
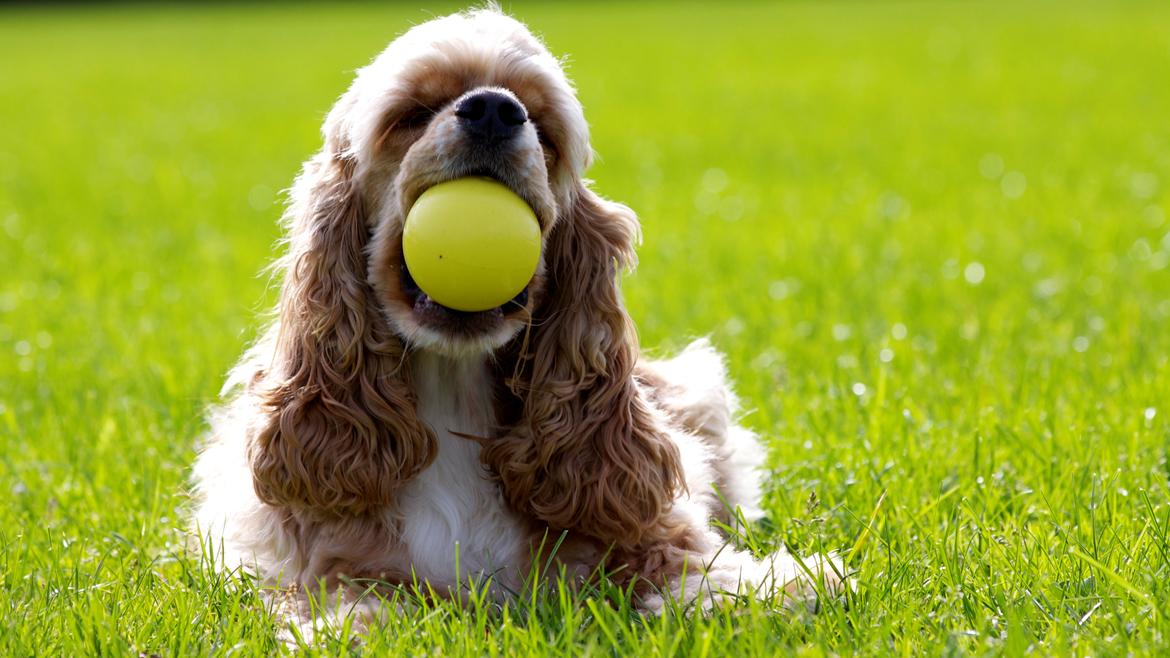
(471, 244)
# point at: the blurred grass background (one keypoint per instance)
(932, 239)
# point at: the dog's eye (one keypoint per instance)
(546, 142)
(417, 117)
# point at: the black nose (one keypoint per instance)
(490, 116)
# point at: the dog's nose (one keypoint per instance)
(491, 116)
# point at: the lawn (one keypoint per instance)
(932, 239)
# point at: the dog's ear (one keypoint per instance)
(589, 453)
(340, 433)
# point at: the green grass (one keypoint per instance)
(931, 238)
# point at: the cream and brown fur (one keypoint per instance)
(372, 434)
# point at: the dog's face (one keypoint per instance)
(466, 95)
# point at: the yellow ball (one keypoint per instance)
(471, 244)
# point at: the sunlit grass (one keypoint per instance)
(932, 240)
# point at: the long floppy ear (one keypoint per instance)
(589, 453)
(340, 432)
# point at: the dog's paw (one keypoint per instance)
(806, 583)
(779, 579)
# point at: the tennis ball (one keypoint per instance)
(471, 244)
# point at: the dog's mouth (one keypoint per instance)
(428, 309)
(453, 326)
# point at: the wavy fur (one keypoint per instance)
(339, 433)
(590, 453)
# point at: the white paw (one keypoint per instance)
(805, 583)
(780, 579)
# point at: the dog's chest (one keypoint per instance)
(454, 515)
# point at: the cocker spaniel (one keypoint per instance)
(373, 433)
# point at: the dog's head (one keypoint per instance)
(465, 95)
(471, 94)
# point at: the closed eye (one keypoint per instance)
(417, 117)
(546, 142)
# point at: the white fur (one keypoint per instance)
(453, 504)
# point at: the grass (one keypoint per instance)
(931, 238)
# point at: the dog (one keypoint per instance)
(372, 433)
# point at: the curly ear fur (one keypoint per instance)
(589, 452)
(340, 432)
